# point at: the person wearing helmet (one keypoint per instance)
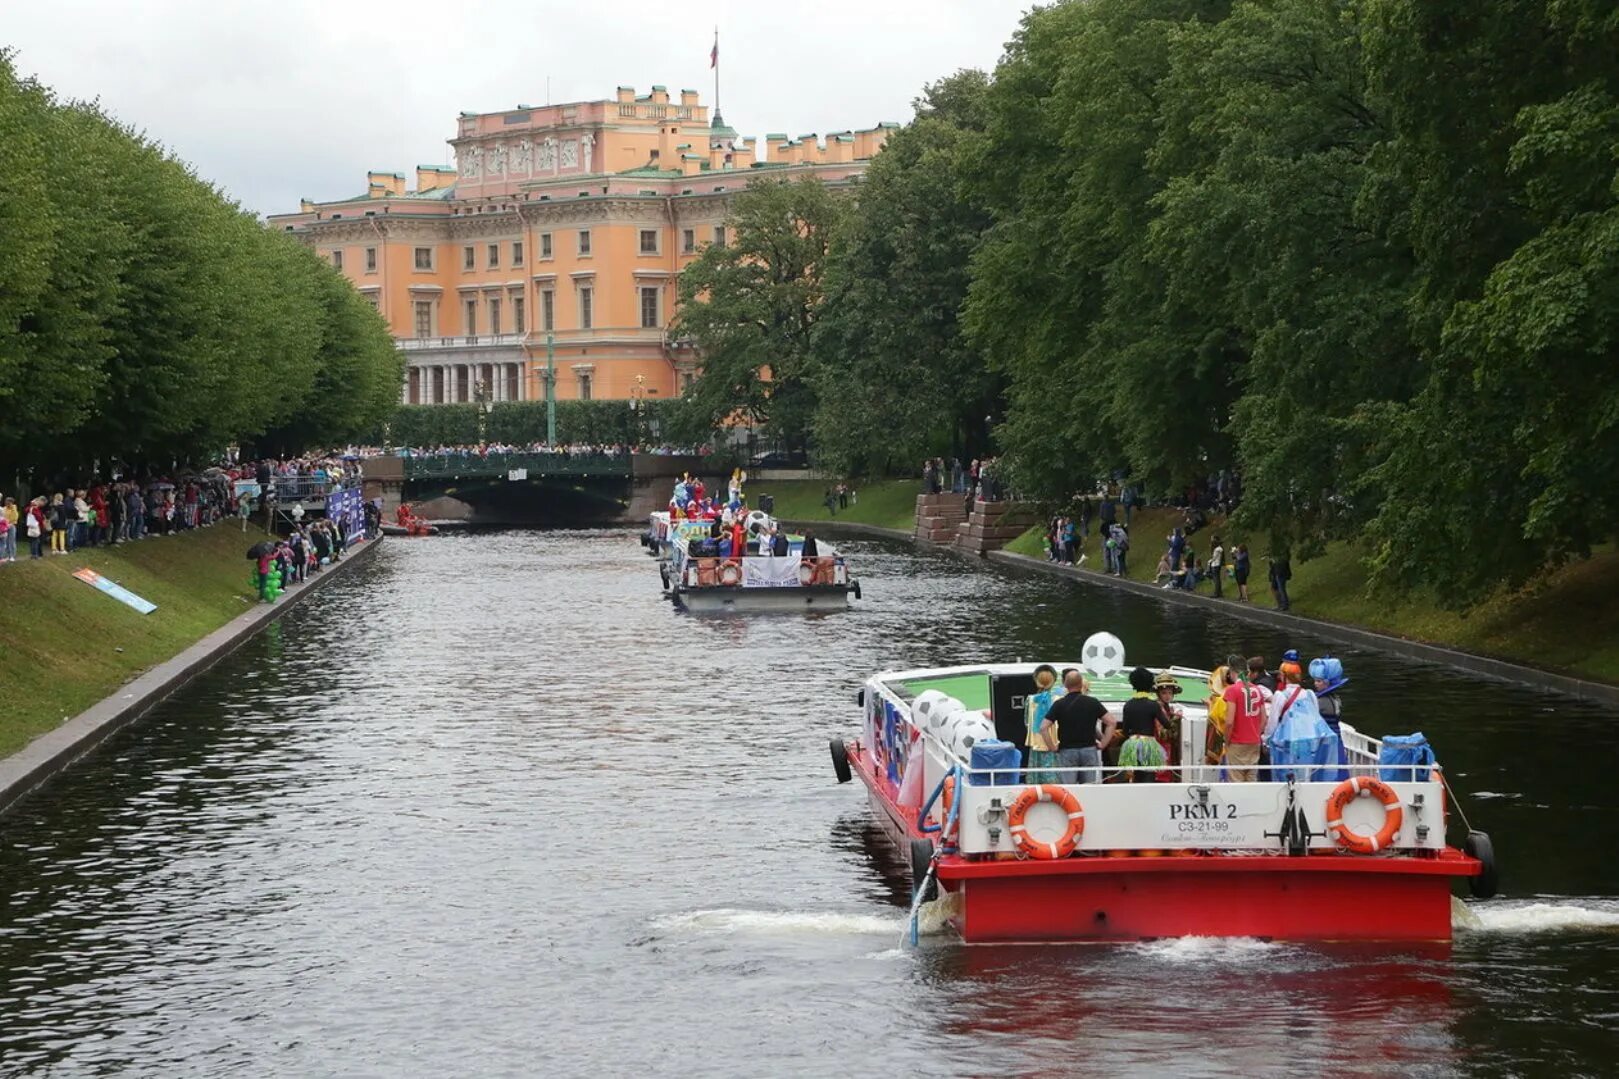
(1327, 673)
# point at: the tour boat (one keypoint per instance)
(701, 574)
(1358, 855)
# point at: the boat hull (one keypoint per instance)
(1126, 897)
(817, 597)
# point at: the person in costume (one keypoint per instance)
(1042, 736)
(1141, 721)
(1166, 688)
(1327, 674)
(1214, 738)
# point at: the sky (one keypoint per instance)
(280, 100)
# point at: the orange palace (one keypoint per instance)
(565, 224)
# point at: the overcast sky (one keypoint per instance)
(278, 99)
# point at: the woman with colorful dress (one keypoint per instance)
(1043, 737)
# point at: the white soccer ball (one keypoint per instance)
(757, 523)
(932, 709)
(967, 730)
(1103, 655)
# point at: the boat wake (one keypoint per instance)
(779, 922)
(1539, 916)
(1227, 950)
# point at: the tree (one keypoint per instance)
(895, 378)
(751, 305)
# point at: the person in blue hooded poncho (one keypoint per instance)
(1328, 675)
(1302, 746)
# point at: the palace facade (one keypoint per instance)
(566, 226)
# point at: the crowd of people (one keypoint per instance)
(1179, 566)
(566, 449)
(125, 509)
(981, 479)
(1255, 716)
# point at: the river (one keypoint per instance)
(488, 805)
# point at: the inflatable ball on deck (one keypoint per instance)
(1103, 655)
(967, 729)
(757, 523)
(932, 711)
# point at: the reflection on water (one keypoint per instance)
(489, 805)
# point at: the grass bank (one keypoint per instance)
(64, 645)
(1568, 621)
(885, 503)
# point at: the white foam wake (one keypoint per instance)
(780, 922)
(1206, 949)
(1541, 917)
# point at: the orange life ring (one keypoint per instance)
(1034, 848)
(1354, 787)
(730, 572)
(825, 570)
(806, 573)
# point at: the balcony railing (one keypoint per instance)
(480, 340)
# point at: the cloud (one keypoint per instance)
(273, 102)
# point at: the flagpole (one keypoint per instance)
(716, 70)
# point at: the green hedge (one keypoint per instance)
(601, 422)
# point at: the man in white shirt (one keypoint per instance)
(1216, 564)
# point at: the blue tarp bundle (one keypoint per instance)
(996, 754)
(1302, 746)
(1405, 758)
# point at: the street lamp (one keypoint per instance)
(638, 405)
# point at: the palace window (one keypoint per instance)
(469, 258)
(587, 296)
(517, 252)
(685, 383)
(584, 241)
(545, 245)
(548, 309)
(471, 329)
(584, 387)
(688, 240)
(649, 308)
(337, 260)
(424, 318)
(370, 260)
(424, 258)
(517, 315)
(494, 315)
(719, 235)
(494, 256)
(649, 241)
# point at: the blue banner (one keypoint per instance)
(346, 507)
(116, 591)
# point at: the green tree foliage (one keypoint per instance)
(602, 423)
(895, 379)
(144, 317)
(751, 305)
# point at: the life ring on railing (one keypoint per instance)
(1347, 791)
(730, 572)
(1032, 847)
(806, 573)
(707, 574)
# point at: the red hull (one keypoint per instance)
(1321, 897)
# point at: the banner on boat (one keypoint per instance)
(770, 572)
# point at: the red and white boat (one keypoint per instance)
(1116, 861)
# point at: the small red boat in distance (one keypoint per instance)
(1354, 851)
(408, 524)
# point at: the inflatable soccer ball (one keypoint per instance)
(932, 710)
(967, 730)
(757, 523)
(1103, 655)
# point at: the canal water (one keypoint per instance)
(489, 806)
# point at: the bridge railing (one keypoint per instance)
(500, 464)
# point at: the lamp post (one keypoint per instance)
(638, 405)
(550, 391)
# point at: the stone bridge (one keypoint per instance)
(531, 488)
